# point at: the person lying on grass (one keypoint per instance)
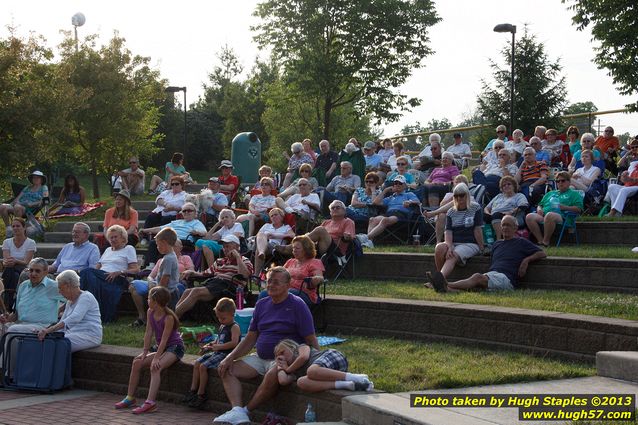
(510, 259)
(316, 370)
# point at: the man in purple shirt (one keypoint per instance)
(279, 316)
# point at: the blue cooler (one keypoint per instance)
(243, 318)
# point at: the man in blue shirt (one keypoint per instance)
(510, 259)
(79, 254)
(398, 206)
(373, 159)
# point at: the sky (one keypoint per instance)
(183, 38)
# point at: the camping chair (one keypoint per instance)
(319, 306)
(569, 222)
(405, 231)
(343, 265)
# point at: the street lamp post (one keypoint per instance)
(174, 89)
(77, 20)
(510, 28)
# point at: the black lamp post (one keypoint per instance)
(174, 89)
(509, 28)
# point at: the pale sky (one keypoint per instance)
(182, 39)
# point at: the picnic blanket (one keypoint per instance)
(85, 209)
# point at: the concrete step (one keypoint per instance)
(618, 364)
(48, 249)
(195, 188)
(55, 237)
(67, 226)
(143, 205)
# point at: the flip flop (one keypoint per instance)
(439, 282)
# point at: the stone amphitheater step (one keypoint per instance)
(194, 188)
(143, 205)
(618, 364)
(67, 226)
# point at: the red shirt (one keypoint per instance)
(230, 194)
(299, 271)
(337, 230)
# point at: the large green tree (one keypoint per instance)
(348, 53)
(613, 24)
(121, 97)
(34, 99)
(539, 89)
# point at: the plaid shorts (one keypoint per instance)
(333, 359)
(212, 359)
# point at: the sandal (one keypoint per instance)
(125, 403)
(147, 407)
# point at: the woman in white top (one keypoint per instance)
(584, 176)
(169, 203)
(270, 235)
(259, 205)
(107, 280)
(210, 245)
(16, 254)
(517, 145)
(81, 321)
(509, 202)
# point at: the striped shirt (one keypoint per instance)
(532, 172)
(225, 268)
(463, 222)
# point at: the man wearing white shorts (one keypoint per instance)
(510, 259)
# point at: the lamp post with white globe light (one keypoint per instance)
(77, 20)
(174, 89)
(509, 28)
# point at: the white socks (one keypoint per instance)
(357, 377)
(344, 385)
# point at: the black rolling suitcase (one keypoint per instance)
(31, 364)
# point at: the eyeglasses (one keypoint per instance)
(507, 184)
(303, 184)
(336, 207)
(609, 131)
(498, 147)
(402, 163)
(132, 162)
(462, 195)
(36, 271)
(188, 210)
(573, 132)
(634, 147)
(396, 183)
(370, 181)
(500, 132)
(176, 184)
(561, 180)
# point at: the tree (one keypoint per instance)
(34, 99)
(119, 111)
(539, 89)
(583, 123)
(613, 24)
(348, 53)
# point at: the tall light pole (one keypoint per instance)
(77, 20)
(509, 28)
(174, 89)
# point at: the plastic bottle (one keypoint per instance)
(239, 297)
(554, 204)
(310, 415)
(488, 233)
(416, 238)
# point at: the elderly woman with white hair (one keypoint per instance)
(298, 157)
(108, 280)
(490, 174)
(586, 142)
(501, 130)
(431, 155)
(463, 233)
(517, 145)
(440, 180)
(80, 321)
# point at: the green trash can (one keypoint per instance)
(246, 157)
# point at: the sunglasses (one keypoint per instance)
(188, 210)
(498, 147)
(402, 163)
(304, 171)
(460, 196)
(396, 183)
(561, 180)
(132, 162)
(500, 132)
(571, 132)
(176, 184)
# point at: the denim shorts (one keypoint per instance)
(177, 349)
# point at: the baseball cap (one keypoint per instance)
(226, 164)
(230, 238)
(399, 178)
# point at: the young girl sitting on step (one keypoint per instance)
(162, 321)
(316, 370)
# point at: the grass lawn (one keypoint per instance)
(582, 251)
(396, 365)
(615, 305)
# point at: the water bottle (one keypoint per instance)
(554, 204)
(239, 297)
(310, 415)
(416, 238)
(488, 234)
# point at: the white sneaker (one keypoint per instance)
(236, 415)
(150, 266)
(635, 249)
(9, 232)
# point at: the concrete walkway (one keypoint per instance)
(394, 409)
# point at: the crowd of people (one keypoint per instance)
(207, 237)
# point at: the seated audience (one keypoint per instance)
(430, 156)
(553, 145)
(584, 176)
(572, 139)
(37, 301)
(163, 276)
(305, 172)
(228, 183)
(188, 229)
(124, 215)
(608, 145)
(297, 158)
(173, 168)
(401, 170)
(79, 254)
(398, 203)
(440, 180)
(399, 151)
(510, 258)
(268, 327)
(29, 200)
(586, 142)
(264, 171)
(220, 277)
(17, 252)
(271, 235)
(342, 186)
(307, 148)
(489, 174)
(353, 155)
(210, 244)
(218, 202)
(259, 206)
(440, 213)
(303, 203)
(315, 370)
(552, 209)
(80, 321)
(617, 194)
(169, 203)
(508, 202)
(107, 280)
(629, 157)
(386, 150)
(517, 145)
(463, 232)
(541, 154)
(132, 178)
(327, 160)
(361, 207)
(461, 151)
(501, 130)
(71, 198)
(372, 158)
(532, 176)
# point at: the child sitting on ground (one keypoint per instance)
(227, 339)
(163, 322)
(316, 370)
